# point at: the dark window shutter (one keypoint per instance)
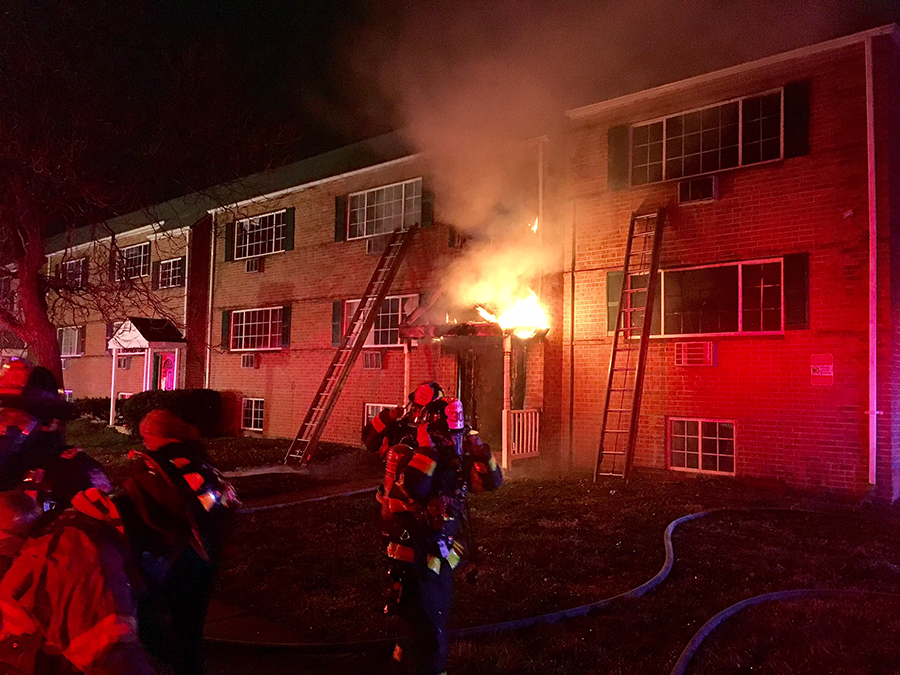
(796, 119)
(289, 229)
(613, 295)
(340, 217)
(183, 264)
(154, 276)
(796, 291)
(337, 322)
(427, 208)
(113, 261)
(617, 158)
(226, 328)
(229, 241)
(109, 334)
(81, 331)
(285, 326)
(84, 273)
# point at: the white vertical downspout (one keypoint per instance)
(112, 388)
(180, 374)
(209, 299)
(873, 411)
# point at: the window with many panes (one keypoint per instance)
(171, 273)
(384, 209)
(256, 329)
(386, 329)
(737, 133)
(743, 297)
(74, 273)
(70, 340)
(252, 414)
(133, 261)
(701, 445)
(259, 235)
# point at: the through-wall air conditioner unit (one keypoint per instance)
(249, 360)
(373, 360)
(376, 245)
(702, 189)
(254, 265)
(695, 354)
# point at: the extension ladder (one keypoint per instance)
(306, 440)
(631, 339)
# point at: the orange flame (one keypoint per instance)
(524, 319)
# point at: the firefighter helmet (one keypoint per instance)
(444, 413)
(30, 407)
(33, 389)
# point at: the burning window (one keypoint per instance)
(253, 412)
(384, 209)
(386, 329)
(737, 133)
(260, 235)
(745, 297)
(256, 329)
(134, 261)
(701, 445)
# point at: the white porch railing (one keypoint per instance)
(521, 431)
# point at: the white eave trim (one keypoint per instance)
(305, 186)
(640, 96)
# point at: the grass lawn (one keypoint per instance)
(554, 544)
(550, 545)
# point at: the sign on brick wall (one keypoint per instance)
(821, 370)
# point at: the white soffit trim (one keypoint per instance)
(305, 186)
(646, 94)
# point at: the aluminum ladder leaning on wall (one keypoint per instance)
(631, 339)
(306, 440)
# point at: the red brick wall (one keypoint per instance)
(786, 428)
(318, 271)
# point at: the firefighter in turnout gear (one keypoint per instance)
(427, 478)
(67, 602)
(177, 510)
(391, 426)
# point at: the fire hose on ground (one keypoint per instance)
(684, 660)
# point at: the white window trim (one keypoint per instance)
(78, 264)
(740, 310)
(68, 354)
(275, 242)
(171, 261)
(740, 164)
(404, 183)
(121, 262)
(700, 421)
(231, 331)
(370, 338)
(252, 402)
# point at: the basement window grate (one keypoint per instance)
(254, 265)
(249, 360)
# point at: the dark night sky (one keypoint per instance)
(344, 69)
(270, 81)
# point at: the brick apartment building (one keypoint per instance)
(774, 349)
(778, 266)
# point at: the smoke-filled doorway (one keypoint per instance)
(480, 382)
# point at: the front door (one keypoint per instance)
(164, 367)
